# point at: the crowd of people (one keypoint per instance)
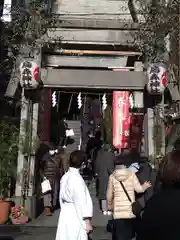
(143, 202)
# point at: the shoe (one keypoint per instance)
(47, 211)
(109, 213)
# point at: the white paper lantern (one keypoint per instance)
(156, 78)
(29, 75)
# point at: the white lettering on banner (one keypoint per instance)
(126, 133)
(121, 102)
(121, 119)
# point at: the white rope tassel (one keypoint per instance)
(104, 102)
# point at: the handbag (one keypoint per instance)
(46, 186)
(136, 207)
(69, 133)
(109, 226)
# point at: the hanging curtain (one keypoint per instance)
(84, 122)
(108, 126)
(96, 115)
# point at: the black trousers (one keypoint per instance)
(123, 229)
(63, 141)
(138, 225)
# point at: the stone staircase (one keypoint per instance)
(76, 126)
(99, 220)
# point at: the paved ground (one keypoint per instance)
(43, 233)
(98, 219)
(44, 228)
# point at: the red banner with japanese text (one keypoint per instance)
(121, 119)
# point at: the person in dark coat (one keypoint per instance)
(62, 127)
(90, 144)
(161, 217)
(104, 166)
(145, 173)
(93, 145)
(50, 169)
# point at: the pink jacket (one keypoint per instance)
(117, 200)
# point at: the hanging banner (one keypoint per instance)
(121, 121)
(126, 121)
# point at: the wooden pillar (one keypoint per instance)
(44, 123)
(20, 160)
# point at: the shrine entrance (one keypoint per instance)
(86, 110)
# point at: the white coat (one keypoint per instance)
(76, 204)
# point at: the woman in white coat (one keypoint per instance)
(75, 201)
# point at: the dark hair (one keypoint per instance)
(98, 134)
(170, 168)
(123, 159)
(43, 149)
(76, 159)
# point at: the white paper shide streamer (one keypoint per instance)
(6, 16)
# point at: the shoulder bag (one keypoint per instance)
(46, 186)
(136, 207)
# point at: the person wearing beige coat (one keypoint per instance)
(117, 200)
